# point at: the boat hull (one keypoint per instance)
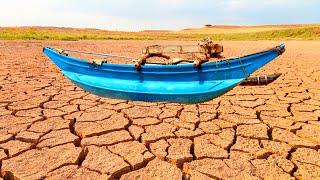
(180, 83)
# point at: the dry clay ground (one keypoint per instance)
(51, 129)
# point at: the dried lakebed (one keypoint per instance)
(51, 129)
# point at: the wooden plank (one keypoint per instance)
(181, 49)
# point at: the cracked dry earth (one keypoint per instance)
(51, 129)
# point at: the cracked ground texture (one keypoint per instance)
(51, 129)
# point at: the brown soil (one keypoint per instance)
(51, 129)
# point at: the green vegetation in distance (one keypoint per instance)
(68, 34)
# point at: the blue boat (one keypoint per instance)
(180, 83)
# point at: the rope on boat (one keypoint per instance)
(97, 54)
(243, 68)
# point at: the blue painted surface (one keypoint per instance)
(181, 83)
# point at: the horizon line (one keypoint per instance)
(167, 29)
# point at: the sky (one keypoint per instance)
(134, 15)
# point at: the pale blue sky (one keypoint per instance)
(132, 15)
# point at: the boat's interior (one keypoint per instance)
(177, 58)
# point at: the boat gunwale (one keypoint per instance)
(146, 67)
